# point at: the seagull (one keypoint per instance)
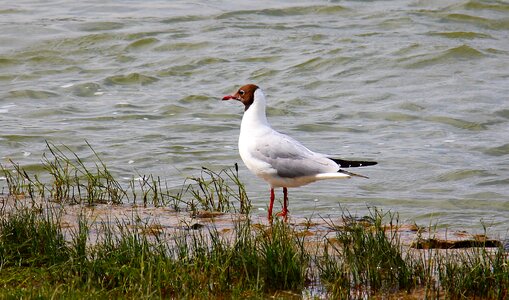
(277, 158)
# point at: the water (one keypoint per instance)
(420, 86)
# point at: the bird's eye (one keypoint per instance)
(241, 92)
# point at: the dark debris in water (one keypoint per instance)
(195, 226)
(434, 243)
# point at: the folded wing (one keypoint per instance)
(291, 159)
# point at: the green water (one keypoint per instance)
(420, 86)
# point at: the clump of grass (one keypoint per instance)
(20, 184)
(218, 191)
(284, 258)
(250, 263)
(31, 237)
(481, 273)
(152, 192)
(74, 181)
(126, 262)
(14, 180)
(364, 259)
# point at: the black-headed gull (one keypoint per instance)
(277, 158)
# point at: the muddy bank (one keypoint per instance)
(166, 222)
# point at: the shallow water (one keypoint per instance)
(420, 86)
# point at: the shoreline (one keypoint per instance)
(166, 221)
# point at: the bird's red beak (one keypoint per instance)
(228, 97)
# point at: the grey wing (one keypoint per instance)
(290, 158)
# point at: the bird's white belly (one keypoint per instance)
(276, 181)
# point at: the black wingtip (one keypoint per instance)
(353, 163)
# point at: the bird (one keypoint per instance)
(277, 158)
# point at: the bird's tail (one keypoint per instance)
(353, 163)
(352, 174)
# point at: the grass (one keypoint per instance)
(481, 274)
(128, 263)
(73, 181)
(212, 191)
(364, 258)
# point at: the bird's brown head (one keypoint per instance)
(244, 94)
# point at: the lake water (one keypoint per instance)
(420, 86)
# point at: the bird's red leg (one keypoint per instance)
(285, 204)
(284, 212)
(271, 204)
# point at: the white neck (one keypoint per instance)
(254, 116)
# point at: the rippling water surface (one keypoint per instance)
(420, 86)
